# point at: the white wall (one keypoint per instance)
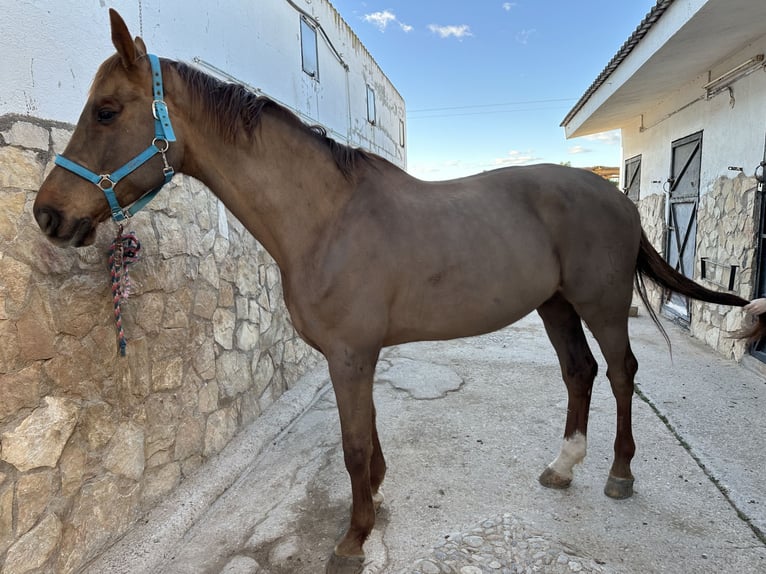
(732, 136)
(51, 51)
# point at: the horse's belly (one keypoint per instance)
(468, 305)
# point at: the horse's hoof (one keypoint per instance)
(618, 488)
(344, 564)
(552, 479)
(377, 500)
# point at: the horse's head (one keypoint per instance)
(115, 155)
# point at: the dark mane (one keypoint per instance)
(234, 110)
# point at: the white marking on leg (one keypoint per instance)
(572, 453)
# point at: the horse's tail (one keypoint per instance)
(651, 264)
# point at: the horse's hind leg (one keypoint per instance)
(611, 332)
(578, 369)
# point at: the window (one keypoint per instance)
(309, 49)
(632, 175)
(371, 114)
(402, 134)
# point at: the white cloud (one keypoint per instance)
(578, 149)
(523, 36)
(381, 20)
(609, 138)
(508, 5)
(459, 32)
(516, 157)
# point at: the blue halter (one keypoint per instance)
(163, 135)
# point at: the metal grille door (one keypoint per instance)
(632, 179)
(759, 350)
(686, 156)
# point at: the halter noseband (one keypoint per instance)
(163, 135)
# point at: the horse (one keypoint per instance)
(371, 256)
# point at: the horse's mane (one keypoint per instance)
(233, 110)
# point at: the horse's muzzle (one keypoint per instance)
(77, 233)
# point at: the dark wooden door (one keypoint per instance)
(683, 198)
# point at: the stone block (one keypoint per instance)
(6, 517)
(11, 209)
(125, 452)
(190, 438)
(205, 303)
(172, 239)
(60, 138)
(263, 374)
(40, 438)
(248, 335)
(177, 309)
(19, 390)
(15, 278)
(204, 360)
(104, 509)
(148, 310)
(233, 373)
(33, 493)
(162, 413)
(20, 168)
(167, 375)
(223, 328)
(25, 134)
(208, 397)
(97, 424)
(160, 482)
(33, 549)
(225, 295)
(241, 565)
(81, 303)
(36, 331)
(220, 429)
(72, 467)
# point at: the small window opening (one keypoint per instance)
(309, 49)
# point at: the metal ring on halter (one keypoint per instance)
(161, 150)
(105, 178)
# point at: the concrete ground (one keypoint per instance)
(467, 426)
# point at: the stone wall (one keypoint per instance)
(90, 440)
(652, 211)
(726, 234)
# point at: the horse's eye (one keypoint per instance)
(106, 115)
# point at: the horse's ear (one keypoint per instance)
(142, 51)
(121, 39)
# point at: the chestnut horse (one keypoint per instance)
(369, 255)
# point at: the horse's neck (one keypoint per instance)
(282, 185)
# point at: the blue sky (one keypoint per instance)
(487, 83)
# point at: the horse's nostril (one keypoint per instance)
(48, 219)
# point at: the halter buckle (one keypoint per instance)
(160, 113)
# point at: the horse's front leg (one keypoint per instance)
(352, 374)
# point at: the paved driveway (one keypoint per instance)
(467, 426)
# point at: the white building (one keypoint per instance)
(688, 92)
(300, 53)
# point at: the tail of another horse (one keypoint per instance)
(651, 264)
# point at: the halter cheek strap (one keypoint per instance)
(163, 135)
